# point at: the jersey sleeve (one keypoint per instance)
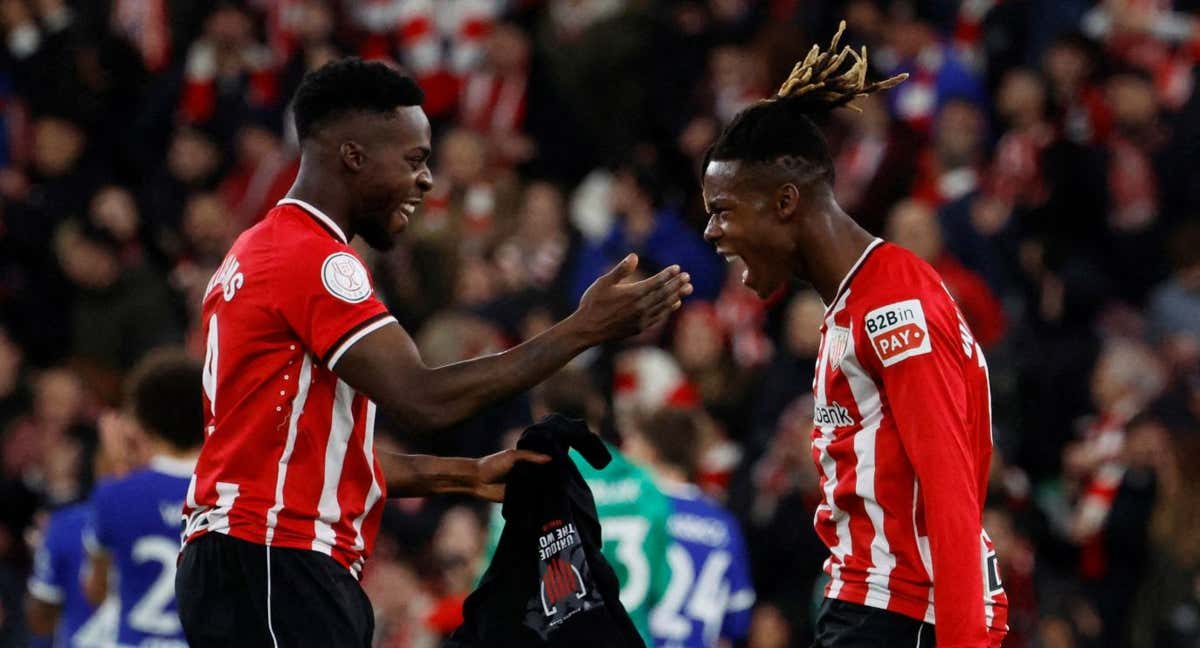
(48, 582)
(326, 296)
(917, 352)
(98, 531)
(658, 539)
(736, 625)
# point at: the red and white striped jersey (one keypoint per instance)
(902, 443)
(288, 458)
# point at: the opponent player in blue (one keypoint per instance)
(708, 601)
(136, 520)
(56, 610)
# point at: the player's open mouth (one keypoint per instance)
(409, 207)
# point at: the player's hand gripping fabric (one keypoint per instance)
(614, 308)
(492, 470)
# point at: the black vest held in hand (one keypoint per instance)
(548, 584)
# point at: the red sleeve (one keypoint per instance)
(918, 348)
(327, 297)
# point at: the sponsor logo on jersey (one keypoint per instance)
(832, 415)
(839, 342)
(345, 277)
(898, 331)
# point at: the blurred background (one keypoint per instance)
(1042, 156)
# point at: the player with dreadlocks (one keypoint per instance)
(902, 420)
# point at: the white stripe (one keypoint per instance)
(45, 591)
(350, 341)
(829, 466)
(320, 215)
(270, 624)
(375, 492)
(920, 629)
(870, 408)
(298, 402)
(923, 550)
(743, 600)
(329, 511)
(218, 518)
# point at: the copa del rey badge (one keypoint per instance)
(345, 277)
(839, 342)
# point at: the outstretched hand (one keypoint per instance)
(613, 308)
(494, 468)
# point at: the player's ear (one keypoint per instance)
(787, 201)
(352, 155)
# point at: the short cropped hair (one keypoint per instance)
(350, 85)
(164, 393)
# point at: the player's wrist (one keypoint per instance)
(580, 331)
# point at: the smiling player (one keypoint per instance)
(288, 489)
(902, 438)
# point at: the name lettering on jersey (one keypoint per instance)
(228, 276)
(839, 342)
(701, 530)
(898, 331)
(626, 490)
(345, 277)
(832, 415)
(171, 512)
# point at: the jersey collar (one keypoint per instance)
(319, 215)
(850, 275)
(173, 466)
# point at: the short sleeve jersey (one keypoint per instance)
(57, 579)
(633, 516)
(710, 594)
(136, 522)
(288, 458)
(902, 444)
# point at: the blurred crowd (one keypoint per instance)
(1043, 156)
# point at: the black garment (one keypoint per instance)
(548, 585)
(237, 593)
(846, 625)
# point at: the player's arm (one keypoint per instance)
(927, 394)
(41, 616)
(418, 475)
(44, 597)
(95, 576)
(387, 367)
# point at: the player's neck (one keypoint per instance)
(326, 196)
(833, 244)
(670, 475)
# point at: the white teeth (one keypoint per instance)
(745, 275)
(730, 258)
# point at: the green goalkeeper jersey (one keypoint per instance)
(633, 522)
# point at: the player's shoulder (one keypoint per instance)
(889, 269)
(68, 521)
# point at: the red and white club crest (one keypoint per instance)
(345, 277)
(839, 342)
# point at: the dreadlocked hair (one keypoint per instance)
(781, 129)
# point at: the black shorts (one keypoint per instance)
(237, 593)
(847, 625)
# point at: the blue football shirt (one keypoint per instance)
(710, 593)
(58, 579)
(137, 520)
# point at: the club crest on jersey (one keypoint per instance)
(345, 277)
(839, 342)
(898, 331)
